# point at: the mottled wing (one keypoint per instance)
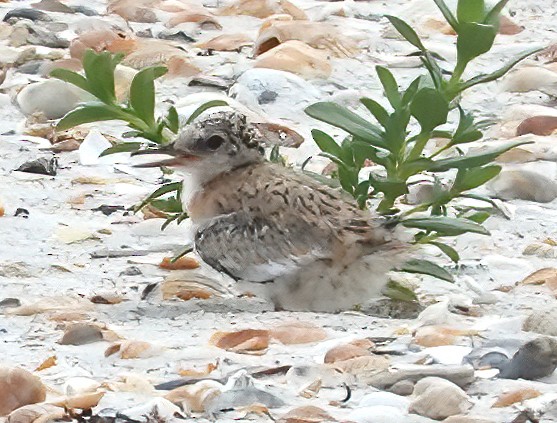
(256, 249)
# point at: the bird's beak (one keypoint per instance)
(177, 157)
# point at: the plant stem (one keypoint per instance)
(419, 146)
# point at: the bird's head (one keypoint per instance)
(216, 143)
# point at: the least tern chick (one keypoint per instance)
(301, 244)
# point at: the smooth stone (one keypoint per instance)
(543, 322)
(460, 375)
(387, 399)
(42, 166)
(289, 88)
(377, 414)
(534, 360)
(22, 13)
(438, 399)
(53, 98)
(523, 185)
(402, 388)
(467, 419)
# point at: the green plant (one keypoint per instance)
(398, 138)
(138, 113)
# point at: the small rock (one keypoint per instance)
(10, 302)
(38, 98)
(81, 334)
(131, 271)
(384, 399)
(460, 375)
(378, 414)
(42, 166)
(543, 322)
(402, 388)
(438, 399)
(30, 14)
(534, 360)
(467, 419)
(523, 185)
(18, 387)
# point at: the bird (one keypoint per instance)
(278, 232)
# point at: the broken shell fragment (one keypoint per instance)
(296, 57)
(322, 36)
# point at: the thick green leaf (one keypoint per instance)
(396, 291)
(474, 160)
(447, 250)
(445, 226)
(71, 77)
(479, 217)
(394, 188)
(449, 17)
(168, 205)
(406, 31)
(343, 118)
(434, 70)
(467, 179)
(164, 189)
(92, 112)
(205, 106)
(124, 147)
(326, 143)
(425, 267)
(470, 11)
(376, 110)
(492, 17)
(172, 120)
(390, 85)
(467, 131)
(411, 91)
(142, 92)
(99, 71)
(430, 109)
(414, 167)
(483, 78)
(474, 39)
(348, 178)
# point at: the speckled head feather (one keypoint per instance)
(223, 131)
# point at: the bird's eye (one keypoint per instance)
(214, 142)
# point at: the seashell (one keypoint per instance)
(243, 341)
(134, 10)
(298, 333)
(84, 401)
(298, 58)
(306, 414)
(227, 42)
(537, 125)
(181, 264)
(345, 352)
(322, 36)
(81, 334)
(194, 398)
(37, 413)
(203, 18)
(18, 387)
(262, 9)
